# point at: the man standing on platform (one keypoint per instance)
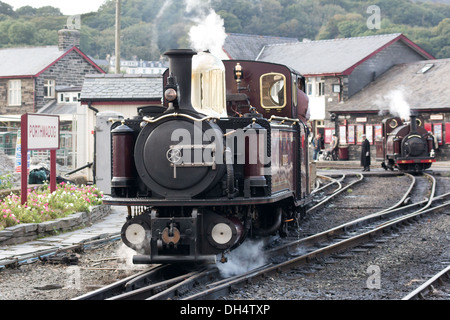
(365, 153)
(317, 146)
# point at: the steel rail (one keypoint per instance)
(116, 287)
(342, 244)
(225, 288)
(429, 285)
(407, 193)
(361, 177)
(35, 256)
(186, 282)
(152, 289)
(333, 181)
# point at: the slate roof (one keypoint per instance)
(107, 87)
(26, 61)
(30, 61)
(336, 56)
(427, 90)
(247, 47)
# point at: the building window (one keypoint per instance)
(320, 88)
(309, 87)
(69, 97)
(49, 88)
(15, 93)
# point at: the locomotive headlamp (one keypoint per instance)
(170, 94)
(136, 233)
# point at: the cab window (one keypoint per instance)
(273, 91)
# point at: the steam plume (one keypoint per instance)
(245, 258)
(208, 33)
(395, 100)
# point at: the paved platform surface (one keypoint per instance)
(112, 224)
(436, 166)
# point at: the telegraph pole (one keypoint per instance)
(118, 36)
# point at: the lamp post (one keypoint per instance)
(117, 48)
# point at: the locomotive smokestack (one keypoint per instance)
(413, 123)
(180, 66)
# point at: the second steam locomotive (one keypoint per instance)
(407, 146)
(224, 158)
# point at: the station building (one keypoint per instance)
(351, 82)
(44, 80)
(32, 77)
(417, 87)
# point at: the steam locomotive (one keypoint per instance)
(407, 146)
(224, 158)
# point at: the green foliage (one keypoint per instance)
(6, 181)
(147, 31)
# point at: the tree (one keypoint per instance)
(444, 53)
(48, 11)
(231, 22)
(28, 11)
(6, 9)
(22, 33)
(4, 34)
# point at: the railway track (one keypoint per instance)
(334, 193)
(441, 279)
(196, 284)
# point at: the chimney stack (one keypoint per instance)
(180, 66)
(67, 38)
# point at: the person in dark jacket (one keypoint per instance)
(365, 153)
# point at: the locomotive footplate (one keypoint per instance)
(114, 201)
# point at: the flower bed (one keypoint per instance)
(43, 205)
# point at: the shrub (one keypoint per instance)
(43, 205)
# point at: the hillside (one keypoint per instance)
(149, 27)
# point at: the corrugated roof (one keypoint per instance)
(27, 61)
(331, 56)
(247, 47)
(120, 87)
(421, 90)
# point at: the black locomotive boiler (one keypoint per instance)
(223, 159)
(407, 146)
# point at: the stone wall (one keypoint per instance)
(69, 71)
(27, 97)
(31, 231)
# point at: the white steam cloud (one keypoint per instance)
(208, 33)
(246, 257)
(396, 101)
